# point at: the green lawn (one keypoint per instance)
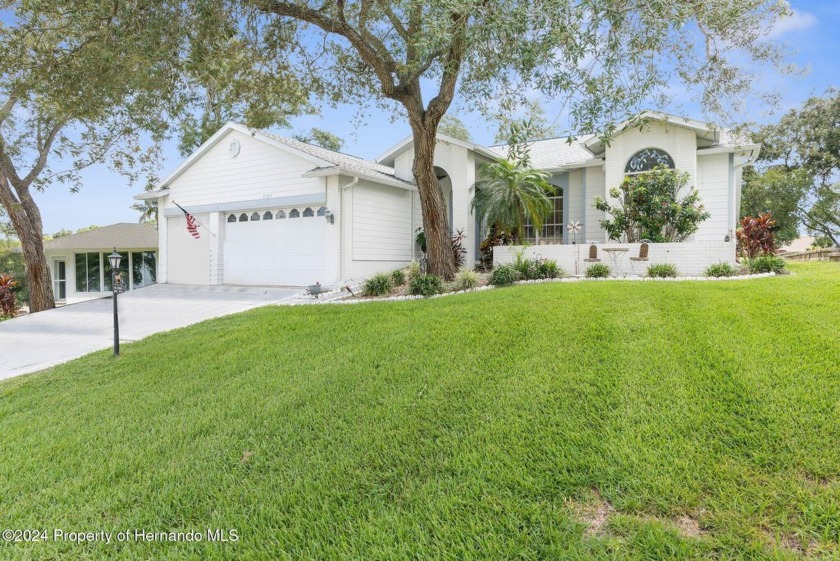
(486, 426)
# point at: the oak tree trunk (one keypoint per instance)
(26, 220)
(440, 256)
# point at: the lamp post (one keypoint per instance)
(115, 259)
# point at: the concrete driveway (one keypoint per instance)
(38, 341)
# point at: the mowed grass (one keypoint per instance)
(483, 426)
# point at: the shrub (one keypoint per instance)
(377, 285)
(721, 270)
(425, 285)
(458, 250)
(662, 271)
(549, 269)
(526, 267)
(755, 236)
(413, 270)
(466, 279)
(598, 271)
(8, 306)
(504, 275)
(398, 277)
(765, 264)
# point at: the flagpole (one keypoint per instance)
(194, 218)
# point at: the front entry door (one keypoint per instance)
(60, 280)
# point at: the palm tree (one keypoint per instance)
(512, 194)
(148, 212)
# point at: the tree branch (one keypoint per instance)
(375, 55)
(43, 153)
(452, 67)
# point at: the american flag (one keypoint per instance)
(192, 226)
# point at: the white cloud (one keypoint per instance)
(797, 21)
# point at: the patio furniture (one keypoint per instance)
(593, 255)
(615, 254)
(643, 256)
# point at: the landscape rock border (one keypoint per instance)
(337, 296)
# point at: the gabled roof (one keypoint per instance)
(705, 131)
(397, 149)
(122, 236)
(324, 161)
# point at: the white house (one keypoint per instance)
(79, 263)
(276, 211)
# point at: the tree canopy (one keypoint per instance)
(797, 172)
(600, 59)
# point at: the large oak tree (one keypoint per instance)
(601, 58)
(102, 82)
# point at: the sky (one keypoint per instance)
(106, 198)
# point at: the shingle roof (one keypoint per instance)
(122, 236)
(344, 162)
(553, 152)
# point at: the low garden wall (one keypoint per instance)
(690, 258)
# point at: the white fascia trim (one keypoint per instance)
(151, 195)
(335, 170)
(728, 149)
(593, 163)
(219, 135)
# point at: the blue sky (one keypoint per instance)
(106, 198)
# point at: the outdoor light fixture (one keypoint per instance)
(328, 214)
(115, 259)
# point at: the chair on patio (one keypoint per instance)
(593, 254)
(643, 256)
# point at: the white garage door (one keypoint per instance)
(289, 251)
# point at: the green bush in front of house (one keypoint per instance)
(662, 271)
(466, 279)
(721, 270)
(598, 271)
(504, 275)
(398, 277)
(766, 264)
(425, 285)
(378, 285)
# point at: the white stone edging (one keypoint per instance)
(344, 299)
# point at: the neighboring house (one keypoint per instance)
(278, 211)
(79, 262)
(800, 244)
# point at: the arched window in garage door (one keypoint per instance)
(294, 213)
(307, 212)
(231, 218)
(281, 215)
(267, 215)
(255, 216)
(322, 211)
(243, 217)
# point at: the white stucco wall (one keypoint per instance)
(188, 259)
(690, 258)
(713, 180)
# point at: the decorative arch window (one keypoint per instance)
(281, 214)
(322, 211)
(294, 213)
(267, 215)
(647, 159)
(307, 212)
(255, 216)
(231, 218)
(243, 217)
